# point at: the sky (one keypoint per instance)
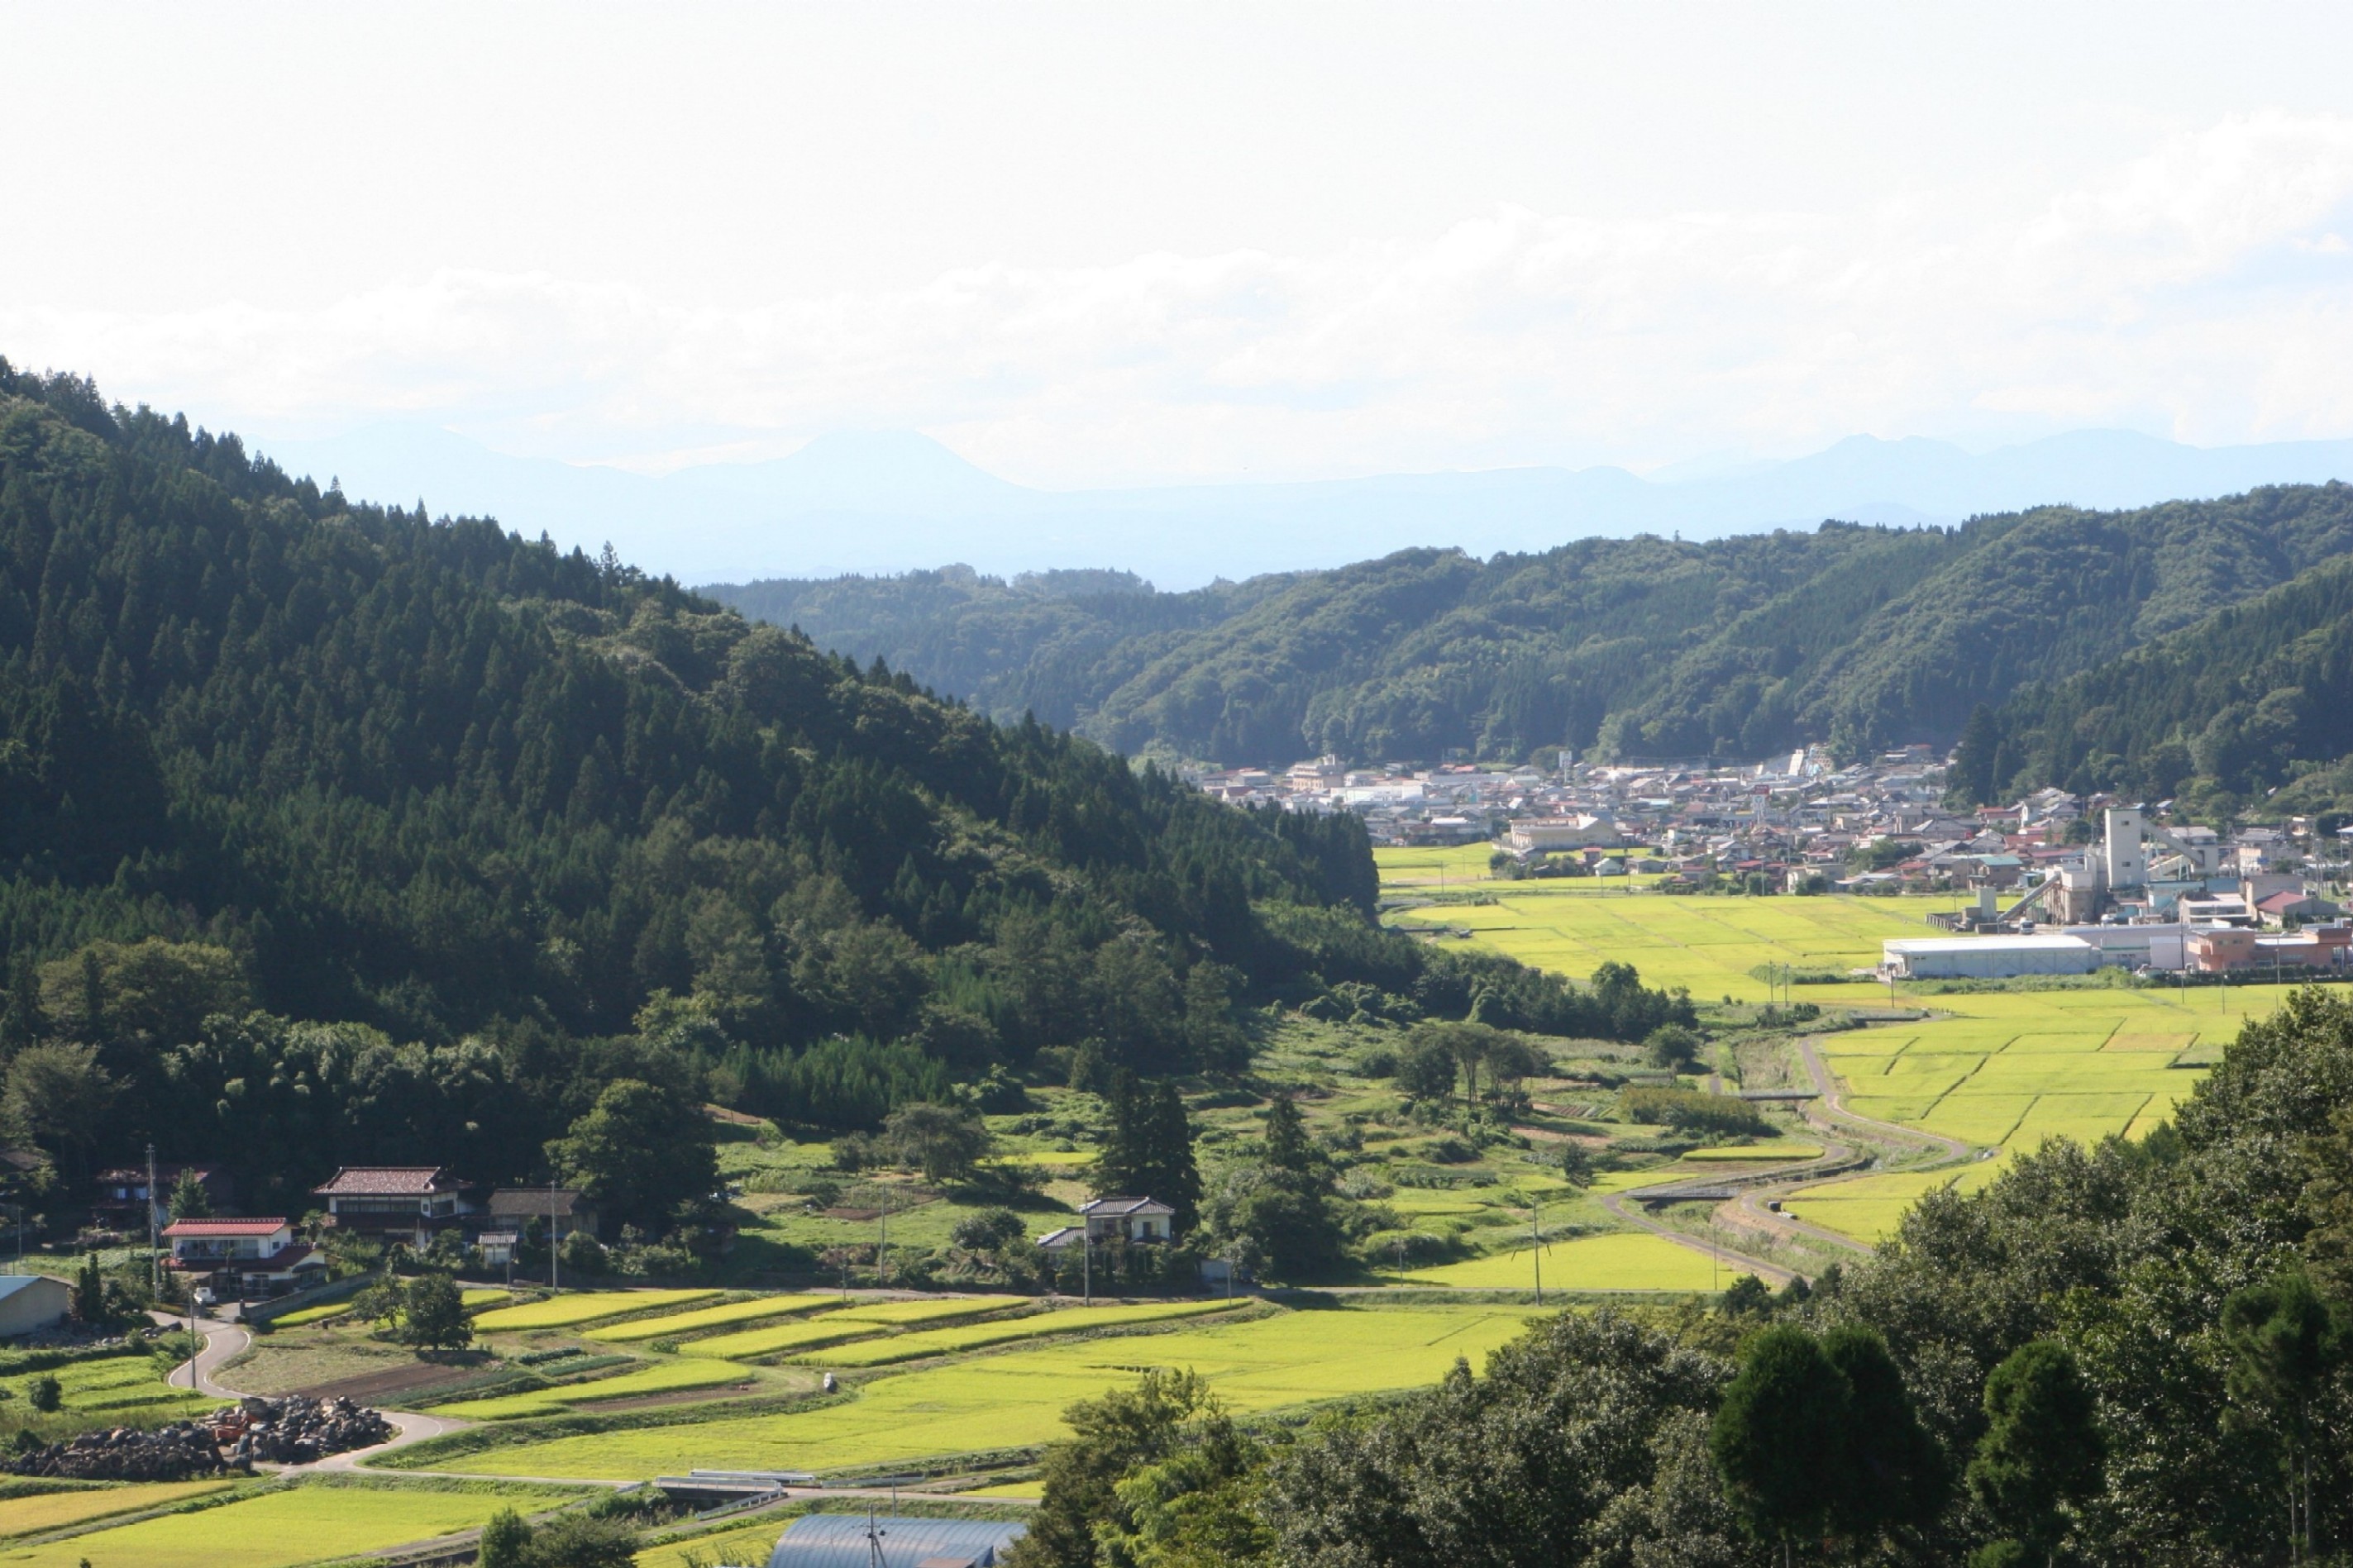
(1090, 244)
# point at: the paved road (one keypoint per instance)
(224, 1342)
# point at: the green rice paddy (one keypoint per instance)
(698, 1318)
(1997, 1070)
(931, 1310)
(976, 1336)
(56, 1511)
(1016, 1399)
(753, 1343)
(302, 1524)
(663, 1377)
(1619, 1260)
(578, 1307)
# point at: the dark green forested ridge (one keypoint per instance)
(1641, 647)
(2252, 706)
(330, 833)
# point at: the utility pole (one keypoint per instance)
(883, 1247)
(154, 1260)
(551, 1234)
(1087, 1260)
(1535, 1245)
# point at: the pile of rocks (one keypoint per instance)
(295, 1430)
(169, 1453)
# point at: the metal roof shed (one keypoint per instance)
(840, 1541)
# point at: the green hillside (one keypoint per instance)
(2249, 701)
(1639, 648)
(330, 834)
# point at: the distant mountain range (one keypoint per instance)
(894, 501)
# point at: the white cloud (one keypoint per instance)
(2205, 289)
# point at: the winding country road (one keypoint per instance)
(226, 1342)
(1747, 1209)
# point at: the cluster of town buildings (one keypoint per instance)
(2054, 883)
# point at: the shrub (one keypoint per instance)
(1689, 1111)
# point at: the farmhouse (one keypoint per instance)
(395, 1203)
(1106, 1219)
(562, 1210)
(123, 1203)
(853, 1541)
(244, 1257)
(31, 1302)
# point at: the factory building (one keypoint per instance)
(1987, 957)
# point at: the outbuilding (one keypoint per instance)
(31, 1302)
(1987, 957)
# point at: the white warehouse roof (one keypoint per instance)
(1915, 947)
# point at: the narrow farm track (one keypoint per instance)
(1615, 1203)
(225, 1342)
(1830, 1116)
(1747, 1209)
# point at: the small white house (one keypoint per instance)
(1140, 1220)
(31, 1302)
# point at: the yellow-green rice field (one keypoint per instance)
(575, 1307)
(1018, 1398)
(303, 1524)
(663, 1377)
(56, 1511)
(1619, 1260)
(1999, 1069)
(976, 1336)
(724, 1315)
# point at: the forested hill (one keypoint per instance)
(1641, 647)
(330, 834)
(2251, 709)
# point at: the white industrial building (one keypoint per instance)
(1987, 957)
(1595, 831)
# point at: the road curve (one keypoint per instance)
(225, 1342)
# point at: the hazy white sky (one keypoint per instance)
(1115, 242)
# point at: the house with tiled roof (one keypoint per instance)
(395, 1203)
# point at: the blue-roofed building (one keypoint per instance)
(842, 1541)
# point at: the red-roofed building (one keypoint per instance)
(244, 1258)
(395, 1203)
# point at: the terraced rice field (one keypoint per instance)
(700, 1319)
(664, 1377)
(1777, 1151)
(304, 1524)
(753, 1343)
(934, 1309)
(304, 1316)
(1016, 1399)
(119, 1391)
(976, 1336)
(1619, 1260)
(56, 1511)
(578, 1307)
